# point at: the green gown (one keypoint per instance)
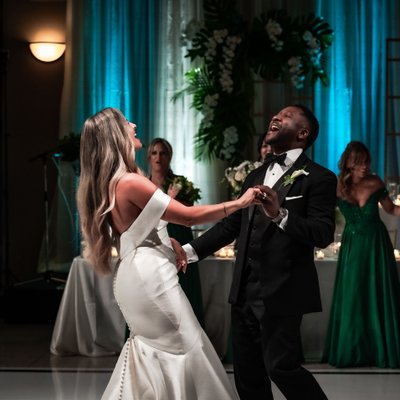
(364, 326)
(190, 281)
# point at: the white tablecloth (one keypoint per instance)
(392, 225)
(315, 325)
(89, 321)
(216, 278)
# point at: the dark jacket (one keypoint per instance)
(284, 260)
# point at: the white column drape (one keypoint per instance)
(178, 122)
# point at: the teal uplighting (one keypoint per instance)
(352, 107)
(119, 54)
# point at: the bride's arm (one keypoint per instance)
(137, 190)
(194, 215)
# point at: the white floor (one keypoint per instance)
(88, 385)
(29, 372)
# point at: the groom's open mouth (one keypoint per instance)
(274, 127)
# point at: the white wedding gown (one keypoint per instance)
(167, 355)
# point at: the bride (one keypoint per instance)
(167, 354)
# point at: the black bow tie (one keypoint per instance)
(273, 158)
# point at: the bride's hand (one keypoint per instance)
(251, 196)
(181, 257)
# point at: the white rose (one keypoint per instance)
(243, 164)
(239, 176)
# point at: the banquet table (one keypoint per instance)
(215, 278)
(392, 224)
(315, 325)
(90, 323)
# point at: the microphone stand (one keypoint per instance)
(48, 274)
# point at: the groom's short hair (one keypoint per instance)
(313, 124)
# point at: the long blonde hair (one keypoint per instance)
(106, 154)
(168, 148)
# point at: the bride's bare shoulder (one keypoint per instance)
(133, 180)
(136, 188)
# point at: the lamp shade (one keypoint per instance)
(47, 51)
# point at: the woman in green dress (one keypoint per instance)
(159, 155)
(364, 327)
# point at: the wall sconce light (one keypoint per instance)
(47, 51)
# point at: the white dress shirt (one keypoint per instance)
(275, 171)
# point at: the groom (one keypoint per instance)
(275, 281)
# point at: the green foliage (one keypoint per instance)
(285, 49)
(188, 193)
(276, 47)
(222, 88)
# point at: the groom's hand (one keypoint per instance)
(269, 201)
(181, 258)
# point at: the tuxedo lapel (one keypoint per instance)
(281, 190)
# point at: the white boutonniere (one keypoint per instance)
(289, 179)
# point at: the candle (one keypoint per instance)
(336, 247)
(320, 254)
(396, 254)
(221, 253)
(230, 253)
(114, 252)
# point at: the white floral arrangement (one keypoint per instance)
(227, 52)
(274, 30)
(235, 176)
(290, 48)
(231, 137)
(187, 192)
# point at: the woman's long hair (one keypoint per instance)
(355, 153)
(106, 154)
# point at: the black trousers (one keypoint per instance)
(268, 348)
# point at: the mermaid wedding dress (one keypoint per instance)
(167, 355)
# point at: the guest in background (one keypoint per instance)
(263, 148)
(159, 155)
(364, 327)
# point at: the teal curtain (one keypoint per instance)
(352, 107)
(110, 61)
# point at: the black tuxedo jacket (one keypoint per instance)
(284, 259)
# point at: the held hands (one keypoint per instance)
(181, 258)
(269, 200)
(251, 196)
